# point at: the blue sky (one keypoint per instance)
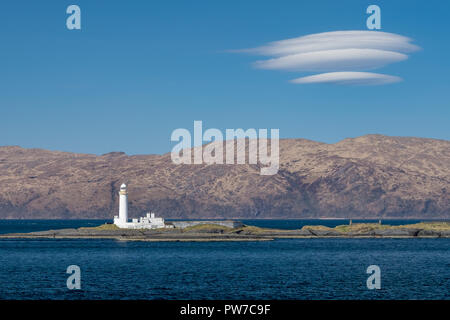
(140, 69)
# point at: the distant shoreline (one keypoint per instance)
(212, 232)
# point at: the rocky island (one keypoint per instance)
(211, 232)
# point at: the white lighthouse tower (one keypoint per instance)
(123, 204)
(147, 222)
(122, 220)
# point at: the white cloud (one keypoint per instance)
(349, 78)
(337, 40)
(333, 60)
(341, 53)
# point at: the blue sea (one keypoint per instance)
(280, 269)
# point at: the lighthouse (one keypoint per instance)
(123, 204)
(147, 222)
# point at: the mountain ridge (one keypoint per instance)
(372, 176)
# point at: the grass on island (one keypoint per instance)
(361, 227)
(355, 228)
(257, 230)
(367, 227)
(213, 228)
(434, 225)
(106, 226)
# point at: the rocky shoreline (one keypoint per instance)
(211, 232)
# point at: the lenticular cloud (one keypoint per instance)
(340, 53)
(362, 78)
(337, 40)
(333, 60)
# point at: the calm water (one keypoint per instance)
(281, 269)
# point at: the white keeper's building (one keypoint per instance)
(147, 222)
